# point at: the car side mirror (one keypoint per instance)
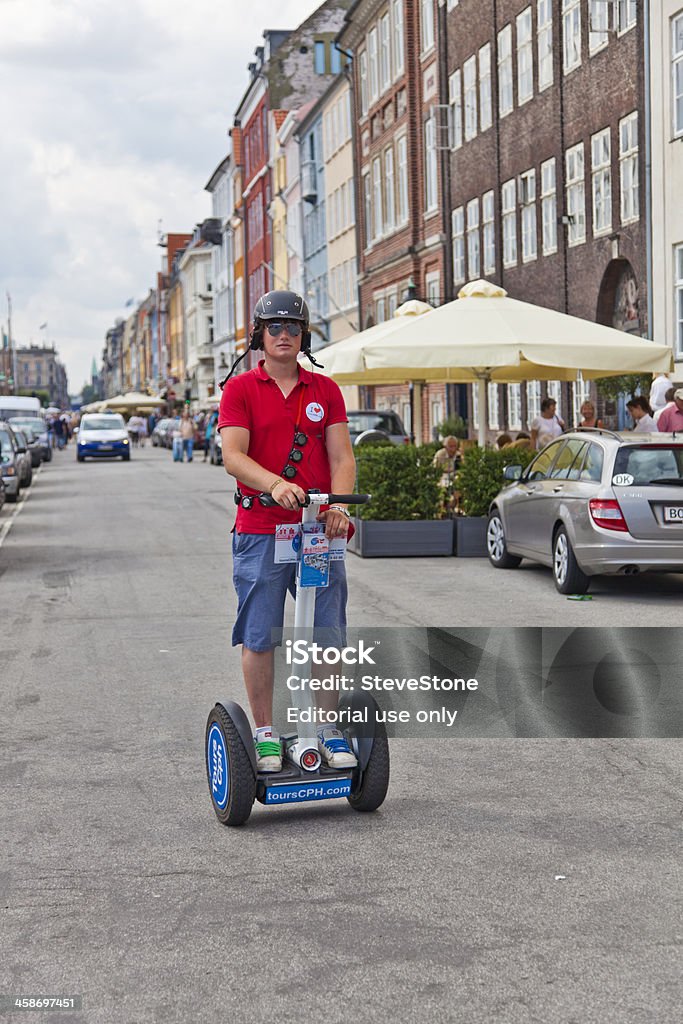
(512, 473)
(21, 449)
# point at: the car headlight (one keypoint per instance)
(125, 440)
(8, 470)
(82, 441)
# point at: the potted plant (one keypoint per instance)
(480, 477)
(402, 518)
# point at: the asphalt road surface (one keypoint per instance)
(502, 880)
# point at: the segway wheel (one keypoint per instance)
(369, 787)
(232, 783)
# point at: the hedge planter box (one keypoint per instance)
(420, 538)
(470, 536)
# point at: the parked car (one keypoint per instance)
(14, 458)
(103, 435)
(27, 458)
(157, 433)
(376, 425)
(167, 435)
(38, 428)
(216, 449)
(35, 449)
(593, 502)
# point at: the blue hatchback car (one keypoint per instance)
(103, 435)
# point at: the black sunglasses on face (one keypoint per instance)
(293, 329)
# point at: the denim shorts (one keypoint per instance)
(262, 587)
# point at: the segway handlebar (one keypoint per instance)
(315, 498)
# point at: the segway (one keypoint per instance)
(234, 782)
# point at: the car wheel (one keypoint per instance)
(569, 578)
(48, 457)
(496, 545)
(126, 457)
(81, 458)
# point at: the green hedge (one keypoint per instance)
(402, 481)
(480, 476)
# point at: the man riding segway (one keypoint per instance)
(283, 430)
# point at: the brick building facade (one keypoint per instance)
(546, 166)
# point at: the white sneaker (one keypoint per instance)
(334, 749)
(268, 752)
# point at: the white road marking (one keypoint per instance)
(6, 527)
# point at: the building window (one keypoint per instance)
(367, 203)
(549, 206)
(399, 59)
(505, 87)
(402, 191)
(469, 75)
(455, 110)
(555, 392)
(431, 165)
(509, 192)
(525, 57)
(380, 310)
(581, 393)
(598, 25)
(385, 51)
(389, 205)
(679, 300)
(544, 14)
(533, 401)
(626, 14)
(319, 57)
(377, 196)
(528, 201)
(488, 220)
(515, 406)
(427, 23)
(393, 304)
(363, 65)
(475, 406)
(433, 288)
(335, 59)
(372, 64)
(602, 182)
(571, 34)
(473, 243)
(628, 167)
(576, 195)
(494, 406)
(485, 112)
(458, 239)
(677, 57)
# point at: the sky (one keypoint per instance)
(113, 117)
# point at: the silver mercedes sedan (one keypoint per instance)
(593, 502)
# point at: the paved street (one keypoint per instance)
(508, 880)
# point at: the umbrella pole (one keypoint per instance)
(481, 386)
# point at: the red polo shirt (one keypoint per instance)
(254, 401)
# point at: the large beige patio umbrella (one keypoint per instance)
(485, 336)
(132, 401)
(346, 357)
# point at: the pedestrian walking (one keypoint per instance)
(211, 422)
(547, 426)
(283, 430)
(177, 439)
(670, 404)
(187, 430)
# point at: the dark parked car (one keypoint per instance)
(14, 458)
(26, 475)
(216, 449)
(38, 427)
(2, 492)
(376, 425)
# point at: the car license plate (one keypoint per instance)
(673, 514)
(106, 447)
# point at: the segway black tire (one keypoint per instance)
(370, 789)
(242, 781)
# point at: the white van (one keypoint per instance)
(18, 405)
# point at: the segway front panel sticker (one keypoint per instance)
(287, 542)
(314, 569)
(321, 789)
(217, 758)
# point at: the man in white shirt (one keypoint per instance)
(660, 386)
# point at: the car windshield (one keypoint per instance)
(652, 463)
(103, 423)
(387, 421)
